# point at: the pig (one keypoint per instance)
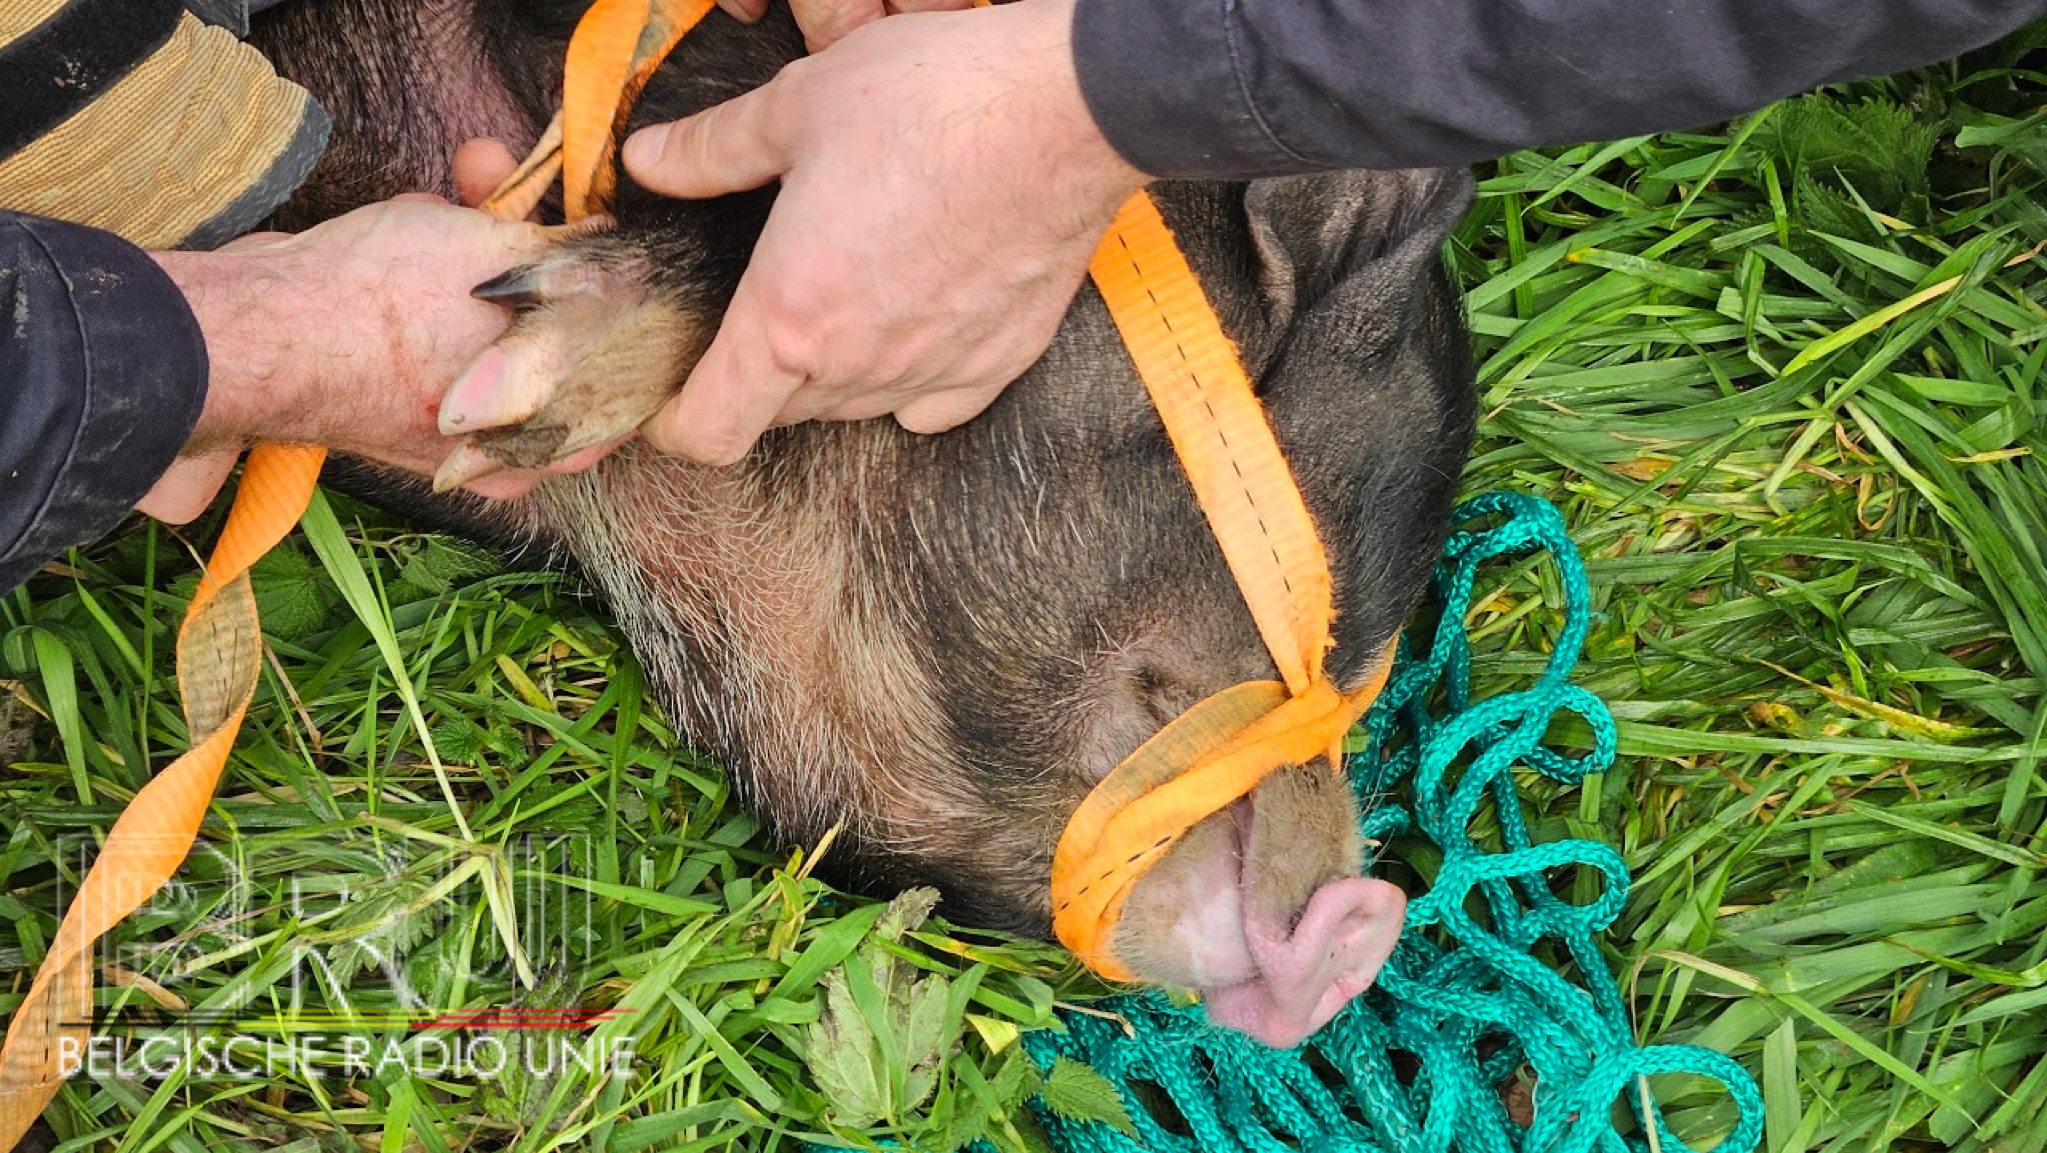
(941, 643)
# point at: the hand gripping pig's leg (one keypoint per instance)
(596, 349)
(600, 342)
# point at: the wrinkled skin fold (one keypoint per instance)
(943, 642)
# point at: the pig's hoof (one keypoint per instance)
(595, 350)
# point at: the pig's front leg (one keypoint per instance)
(608, 325)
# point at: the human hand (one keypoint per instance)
(345, 335)
(824, 22)
(943, 186)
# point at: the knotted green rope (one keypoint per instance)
(1463, 997)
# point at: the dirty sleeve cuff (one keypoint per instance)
(102, 377)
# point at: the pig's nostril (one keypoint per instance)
(1305, 976)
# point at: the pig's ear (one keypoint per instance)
(1314, 232)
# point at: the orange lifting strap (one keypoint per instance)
(220, 651)
(1217, 751)
(1212, 755)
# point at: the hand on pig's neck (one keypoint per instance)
(346, 335)
(942, 188)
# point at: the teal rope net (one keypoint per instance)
(1416, 1064)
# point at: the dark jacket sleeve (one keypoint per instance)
(102, 376)
(133, 117)
(1247, 88)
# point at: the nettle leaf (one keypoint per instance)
(504, 739)
(1877, 147)
(291, 596)
(878, 1047)
(381, 928)
(841, 1054)
(1829, 211)
(441, 563)
(907, 913)
(924, 1040)
(1078, 1093)
(458, 740)
(986, 1107)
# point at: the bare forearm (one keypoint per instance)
(346, 336)
(260, 379)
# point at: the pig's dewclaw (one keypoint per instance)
(465, 464)
(515, 288)
(594, 351)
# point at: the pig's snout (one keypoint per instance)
(1261, 908)
(1307, 975)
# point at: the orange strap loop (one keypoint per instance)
(1219, 430)
(617, 46)
(1219, 750)
(220, 652)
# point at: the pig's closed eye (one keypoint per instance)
(1160, 694)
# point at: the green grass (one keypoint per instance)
(1782, 378)
(592, 851)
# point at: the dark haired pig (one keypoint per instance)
(944, 642)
